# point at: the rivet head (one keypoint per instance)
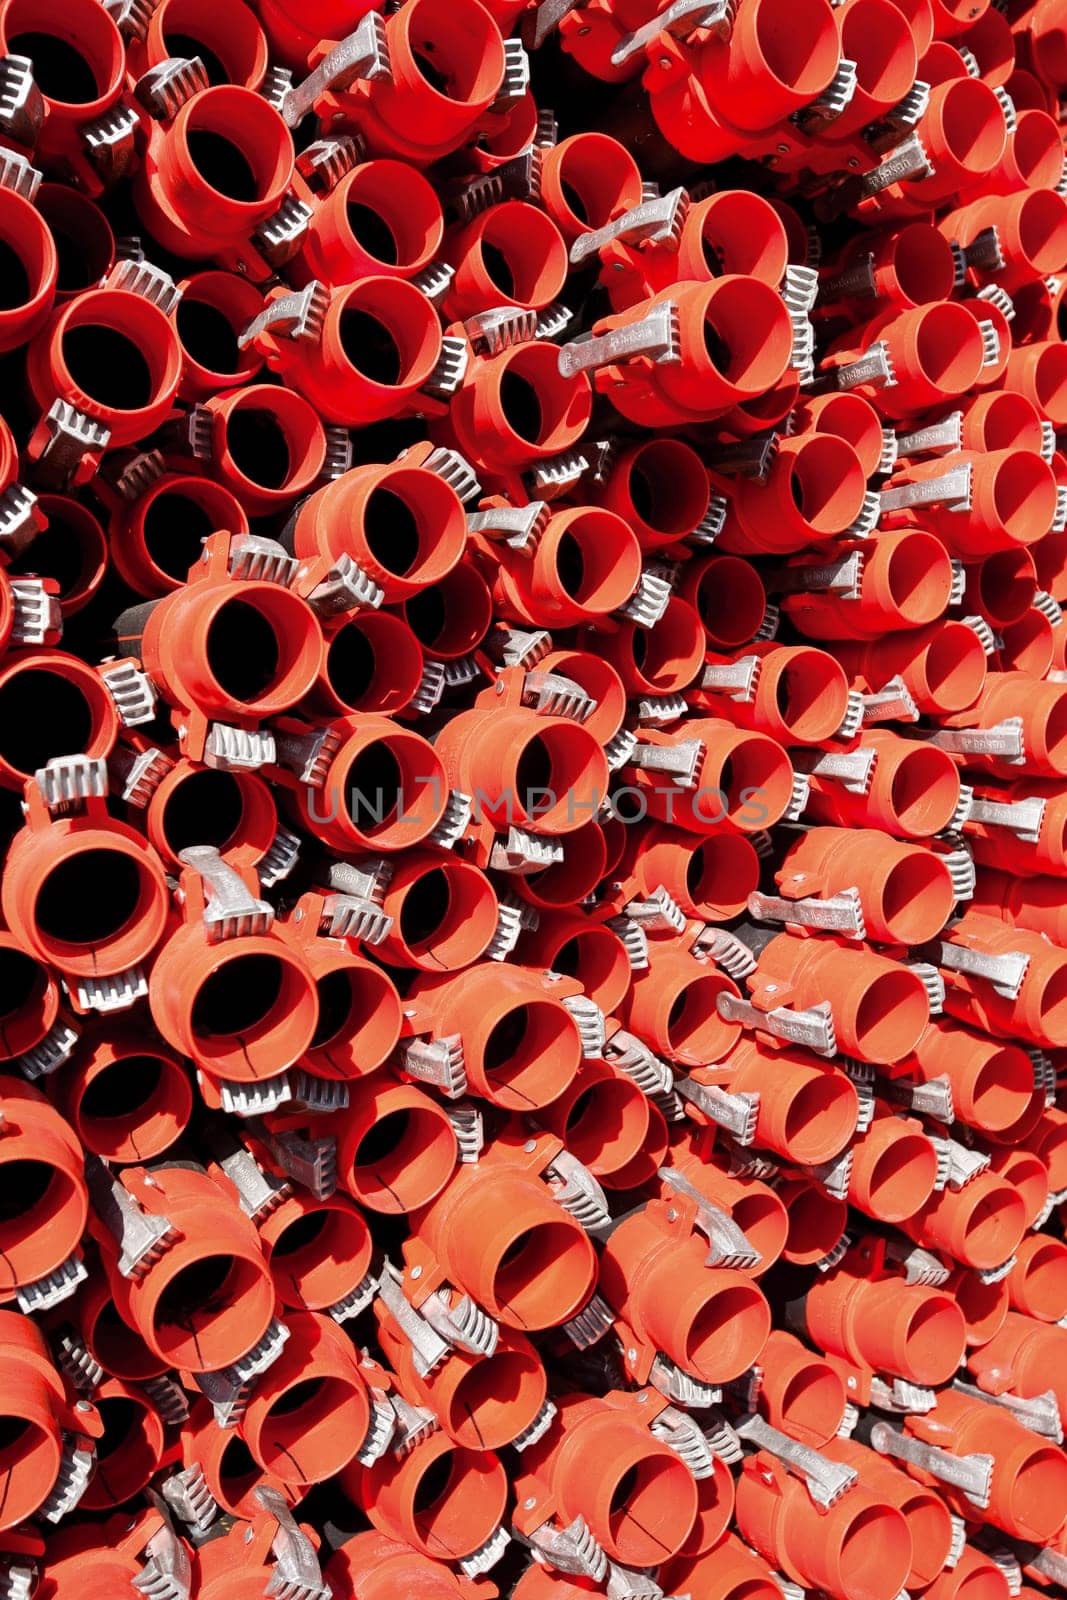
(530, 1146)
(416, 1272)
(529, 1503)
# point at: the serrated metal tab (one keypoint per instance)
(972, 1474)
(891, 703)
(362, 55)
(279, 237)
(813, 1027)
(681, 1434)
(71, 436)
(450, 370)
(151, 283)
(229, 1389)
(519, 527)
(456, 471)
(133, 692)
(630, 1055)
(736, 1114)
(957, 1166)
(310, 1162)
(522, 852)
(230, 749)
(841, 577)
(574, 1187)
(21, 519)
(491, 332)
(67, 782)
(437, 1061)
(655, 336)
(53, 1289)
(826, 1481)
(17, 174)
(459, 808)
(551, 694)
(299, 315)
(167, 86)
(487, 1555)
(590, 1325)
(50, 1053)
(324, 162)
(189, 1497)
(658, 221)
(22, 107)
(739, 678)
(232, 910)
(571, 1549)
(875, 367)
(1006, 972)
(280, 859)
(75, 1470)
(116, 992)
(296, 1575)
(681, 761)
(840, 913)
(853, 769)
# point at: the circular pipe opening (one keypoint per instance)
(948, 346)
(666, 656)
(730, 599)
(740, 233)
(918, 575)
(875, 1553)
(1024, 490)
(257, 647)
(1042, 1292)
(695, 1031)
(598, 179)
(84, 242)
(720, 874)
(456, 47)
(392, 214)
(496, 1399)
(820, 1118)
(204, 1315)
(650, 1511)
(37, 1199)
(76, 53)
(727, 1332)
(320, 1256)
(273, 438)
(229, 43)
(387, 792)
(972, 126)
(248, 998)
(1038, 1492)
(1007, 583)
(134, 1108)
(47, 712)
(826, 482)
(924, 792)
(812, 1403)
(923, 264)
(811, 695)
(543, 1274)
(934, 1340)
(747, 335)
(954, 667)
(916, 898)
(91, 897)
(890, 1019)
(606, 1125)
(543, 409)
(388, 332)
(667, 487)
(530, 1055)
(299, 1440)
(237, 144)
(403, 1160)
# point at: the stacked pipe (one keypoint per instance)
(533, 782)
